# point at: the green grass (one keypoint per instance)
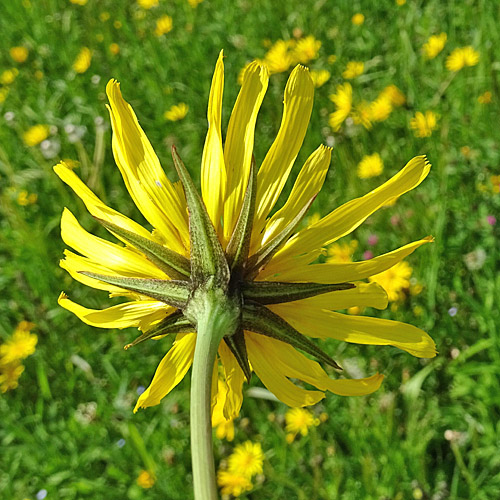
(390, 445)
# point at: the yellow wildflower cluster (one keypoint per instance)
(434, 45)
(21, 345)
(244, 463)
(176, 112)
(146, 479)
(114, 48)
(485, 98)
(395, 281)
(163, 25)
(19, 54)
(370, 166)
(319, 77)
(424, 124)
(461, 57)
(147, 4)
(299, 420)
(353, 69)
(36, 134)
(82, 61)
(342, 252)
(8, 76)
(358, 19)
(24, 199)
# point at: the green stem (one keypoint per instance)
(213, 321)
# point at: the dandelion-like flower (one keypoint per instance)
(83, 60)
(176, 112)
(306, 49)
(298, 421)
(370, 166)
(434, 45)
(36, 134)
(246, 459)
(19, 54)
(424, 124)
(343, 101)
(225, 245)
(461, 57)
(394, 280)
(353, 69)
(232, 483)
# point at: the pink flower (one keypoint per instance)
(372, 239)
(491, 220)
(368, 255)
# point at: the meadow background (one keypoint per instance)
(432, 431)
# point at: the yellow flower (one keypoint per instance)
(461, 57)
(35, 135)
(332, 59)
(117, 24)
(82, 61)
(176, 112)
(424, 124)
(320, 77)
(343, 101)
(299, 420)
(114, 48)
(380, 109)
(246, 459)
(394, 281)
(79, 2)
(146, 479)
(163, 25)
(4, 92)
(362, 114)
(19, 54)
(8, 76)
(484, 98)
(358, 19)
(232, 483)
(276, 251)
(434, 45)
(370, 166)
(194, 3)
(395, 96)
(342, 252)
(400, 2)
(353, 69)
(147, 4)
(9, 375)
(24, 199)
(21, 345)
(306, 49)
(279, 58)
(104, 16)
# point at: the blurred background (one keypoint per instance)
(394, 79)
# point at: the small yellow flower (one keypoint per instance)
(484, 98)
(176, 112)
(434, 45)
(163, 25)
(4, 92)
(353, 69)
(117, 24)
(35, 135)
(79, 2)
(194, 3)
(361, 115)
(461, 57)
(320, 77)
(82, 61)
(424, 124)
(400, 2)
(343, 101)
(395, 96)
(147, 4)
(19, 54)
(232, 483)
(104, 16)
(306, 49)
(370, 166)
(279, 57)
(246, 459)
(395, 280)
(8, 76)
(380, 109)
(299, 420)
(9, 375)
(21, 345)
(358, 19)
(332, 59)
(38, 74)
(114, 48)
(146, 479)
(24, 199)
(342, 252)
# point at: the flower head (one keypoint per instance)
(380, 109)
(299, 420)
(358, 19)
(82, 61)
(461, 57)
(148, 4)
(21, 345)
(226, 243)
(320, 77)
(146, 479)
(395, 96)
(306, 49)
(279, 57)
(343, 101)
(353, 69)
(163, 25)
(19, 54)
(232, 483)
(246, 459)
(434, 45)
(484, 98)
(424, 124)
(394, 280)
(176, 112)
(370, 166)
(35, 135)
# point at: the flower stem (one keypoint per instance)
(213, 321)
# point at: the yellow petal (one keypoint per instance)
(136, 313)
(348, 217)
(234, 381)
(146, 181)
(123, 261)
(331, 272)
(308, 184)
(292, 363)
(265, 367)
(274, 171)
(363, 295)
(213, 171)
(94, 205)
(362, 330)
(171, 370)
(238, 148)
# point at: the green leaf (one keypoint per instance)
(174, 323)
(275, 292)
(238, 347)
(207, 257)
(239, 244)
(173, 293)
(173, 264)
(263, 256)
(260, 319)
